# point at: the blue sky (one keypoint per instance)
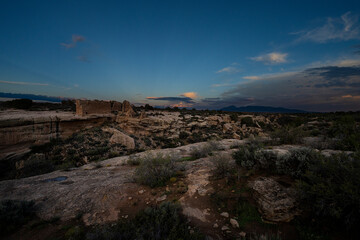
(203, 54)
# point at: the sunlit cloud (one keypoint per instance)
(351, 97)
(25, 83)
(344, 28)
(271, 58)
(192, 95)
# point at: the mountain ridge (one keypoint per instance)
(266, 109)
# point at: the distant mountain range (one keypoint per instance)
(265, 109)
(32, 97)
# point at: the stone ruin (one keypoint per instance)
(87, 107)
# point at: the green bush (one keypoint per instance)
(330, 188)
(158, 223)
(155, 171)
(14, 214)
(246, 213)
(201, 151)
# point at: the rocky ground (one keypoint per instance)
(85, 176)
(105, 191)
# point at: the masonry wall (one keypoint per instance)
(86, 107)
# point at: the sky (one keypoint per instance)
(197, 54)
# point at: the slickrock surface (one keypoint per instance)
(97, 190)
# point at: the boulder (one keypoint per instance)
(121, 138)
(227, 127)
(275, 202)
(234, 223)
(226, 119)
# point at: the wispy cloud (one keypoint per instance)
(75, 39)
(233, 68)
(25, 83)
(216, 85)
(228, 70)
(251, 77)
(271, 58)
(344, 28)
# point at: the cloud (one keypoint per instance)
(271, 58)
(323, 87)
(75, 39)
(251, 77)
(351, 97)
(192, 95)
(345, 28)
(222, 85)
(220, 102)
(25, 83)
(172, 99)
(229, 69)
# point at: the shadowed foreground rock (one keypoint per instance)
(94, 190)
(276, 202)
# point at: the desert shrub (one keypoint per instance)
(134, 161)
(246, 213)
(247, 156)
(46, 147)
(347, 132)
(223, 165)
(291, 120)
(156, 170)
(201, 151)
(248, 121)
(288, 135)
(330, 188)
(297, 162)
(14, 214)
(214, 145)
(75, 233)
(234, 117)
(265, 236)
(183, 135)
(36, 164)
(157, 223)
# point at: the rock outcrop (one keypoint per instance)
(21, 129)
(275, 202)
(120, 138)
